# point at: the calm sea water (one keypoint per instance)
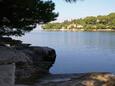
(78, 51)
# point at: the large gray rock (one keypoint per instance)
(9, 55)
(8, 58)
(42, 59)
(7, 75)
(31, 62)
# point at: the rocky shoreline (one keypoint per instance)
(26, 65)
(22, 63)
(79, 79)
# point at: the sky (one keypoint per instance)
(81, 9)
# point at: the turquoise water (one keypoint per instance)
(78, 51)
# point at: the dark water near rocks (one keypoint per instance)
(78, 51)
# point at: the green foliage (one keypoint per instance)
(88, 23)
(52, 26)
(90, 20)
(112, 27)
(103, 19)
(101, 26)
(90, 27)
(80, 21)
(20, 16)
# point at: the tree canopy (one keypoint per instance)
(20, 16)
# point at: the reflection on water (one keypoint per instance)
(78, 51)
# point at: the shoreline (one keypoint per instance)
(80, 30)
(77, 79)
(44, 63)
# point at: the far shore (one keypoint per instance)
(81, 30)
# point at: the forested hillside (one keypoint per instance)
(90, 23)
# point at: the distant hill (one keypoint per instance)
(90, 23)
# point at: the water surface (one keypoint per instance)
(78, 52)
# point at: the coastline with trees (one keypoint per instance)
(23, 64)
(90, 23)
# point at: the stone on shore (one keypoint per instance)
(42, 59)
(8, 58)
(7, 75)
(31, 63)
(9, 55)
